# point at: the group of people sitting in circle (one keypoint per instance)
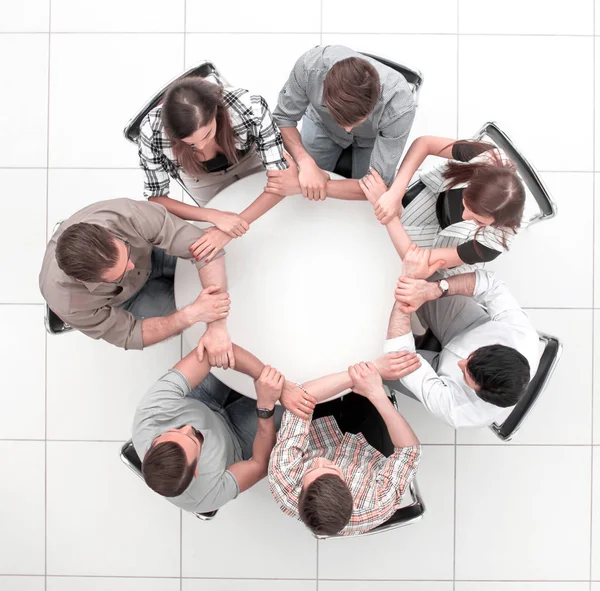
(342, 467)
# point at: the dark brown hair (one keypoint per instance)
(351, 90)
(86, 251)
(325, 506)
(166, 470)
(190, 104)
(493, 187)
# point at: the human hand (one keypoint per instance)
(209, 245)
(231, 223)
(209, 306)
(388, 206)
(415, 263)
(284, 182)
(215, 343)
(269, 386)
(394, 366)
(366, 380)
(372, 186)
(313, 181)
(297, 401)
(411, 293)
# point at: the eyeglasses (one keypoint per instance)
(126, 264)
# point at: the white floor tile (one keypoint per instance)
(530, 265)
(72, 190)
(24, 108)
(436, 114)
(597, 242)
(596, 516)
(23, 406)
(385, 586)
(431, 16)
(596, 378)
(552, 127)
(26, 15)
(22, 507)
(247, 585)
(113, 16)
(23, 240)
(569, 393)
(111, 584)
(248, 69)
(273, 17)
(94, 388)
(399, 553)
(509, 521)
(117, 74)
(534, 17)
(121, 527)
(256, 527)
(22, 583)
(521, 586)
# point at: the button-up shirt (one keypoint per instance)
(253, 128)
(94, 308)
(377, 483)
(385, 129)
(445, 393)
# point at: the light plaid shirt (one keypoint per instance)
(377, 483)
(252, 125)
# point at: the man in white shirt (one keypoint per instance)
(489, 346)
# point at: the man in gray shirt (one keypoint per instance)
(343, 99)
(202, 444)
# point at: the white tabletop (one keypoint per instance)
(311, 285)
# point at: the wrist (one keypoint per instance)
(434, 291)
(266, 404)
(305, 160)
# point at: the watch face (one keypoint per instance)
(264, 413)
(444, 285)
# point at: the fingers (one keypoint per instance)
(231, 356)
(200, 350)
(436, 266)
(210, 289)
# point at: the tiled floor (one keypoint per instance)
(523, 516)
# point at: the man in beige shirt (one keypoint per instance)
(108, 272)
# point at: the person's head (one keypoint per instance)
(351, 90)
(498, 374)
(195, 116)
(325, 502)
(172, 461)
(494, 195)
(89, 252)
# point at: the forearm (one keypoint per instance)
(463, 284)
(328, 386)
(214, 274)
(399, 237)
(400, 431)
(155, 330)
(264, 441)
(247, 363)
(263, 203)
(185, 211)
(347, 189)
(193, 369)
(293, 144)
(399, 324)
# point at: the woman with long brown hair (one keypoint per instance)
(466, 210)
(209, 136)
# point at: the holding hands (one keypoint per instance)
(269, 387)
(297, 401)
(216, 343)
(394, 366)
(210, 244)
(209, 306)
(386, 203)
(230, 223)
(416, 263)
(366, 380)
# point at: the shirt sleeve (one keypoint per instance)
(293, 98)
(113, 325)
(389, 146)
(165, 230)
(226, 489)
(268, 138)
(286, 466)
(472, 252)
(396, 473)
(156, 177)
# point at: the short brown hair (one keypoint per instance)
(86, 251)
(166, 470)
(351, 90)
(325, 506)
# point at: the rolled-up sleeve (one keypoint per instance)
(293, 98)
(156, 177)
(268, 138)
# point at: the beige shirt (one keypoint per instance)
(94, 308)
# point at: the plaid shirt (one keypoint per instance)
(377, 483)
(252, 126)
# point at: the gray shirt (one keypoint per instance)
(167, 405)
(386, 128)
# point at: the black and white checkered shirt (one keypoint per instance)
(252, 125)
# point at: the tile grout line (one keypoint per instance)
(591, 532)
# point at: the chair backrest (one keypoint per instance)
(413, 77)
(550, 357)
(406, 515)
(533, 182)
(131, 459)
(203, 69)
(54, 324)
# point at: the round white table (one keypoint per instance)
(311, 285)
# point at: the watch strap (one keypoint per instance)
(265, 413)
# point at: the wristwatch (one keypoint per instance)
(444, 286)
(265, 413)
